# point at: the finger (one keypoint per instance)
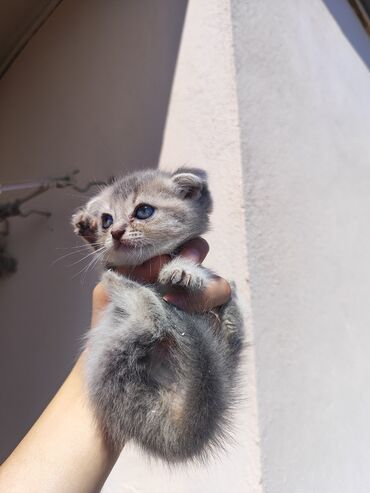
(217, 292)
(195, 249)
(100, 301)
(146, 272)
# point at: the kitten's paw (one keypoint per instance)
(85, 225)
(183, 272)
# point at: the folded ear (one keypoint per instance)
(190, 182)
(85, 224)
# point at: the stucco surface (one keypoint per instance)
(304, 100)
(272, 98)
(202, 129)
(90, 91)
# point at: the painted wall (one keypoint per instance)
(272, 99)
(90, 91)
(303, 91)
(202, 129)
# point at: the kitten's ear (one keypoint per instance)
(85, 225)
(190, 182)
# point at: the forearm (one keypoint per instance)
(64, 450)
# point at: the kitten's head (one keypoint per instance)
(145, 214)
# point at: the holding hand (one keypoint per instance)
(216, 292)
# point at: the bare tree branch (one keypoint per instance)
(13, 209)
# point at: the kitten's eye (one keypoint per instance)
(106, 221)
(144, 211)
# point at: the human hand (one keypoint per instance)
(216, 293)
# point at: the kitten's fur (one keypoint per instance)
(156, 374)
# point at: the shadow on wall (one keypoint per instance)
(90, 90)
(349, 24)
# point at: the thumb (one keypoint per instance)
(99, 302)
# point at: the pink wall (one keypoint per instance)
(91, 91)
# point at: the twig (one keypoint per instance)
(13, 208)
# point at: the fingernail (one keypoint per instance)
(193, 254)
(174, 300)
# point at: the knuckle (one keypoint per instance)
(97, 292)
(226, 287)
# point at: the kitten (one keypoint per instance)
(156, 374)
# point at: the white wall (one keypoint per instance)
(304, 100)
(272, 99)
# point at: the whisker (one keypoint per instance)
(92, 264)
(84, 248)
(85, 245)
(95, 252)
(68, 255)
(86, 267)
(65, 256)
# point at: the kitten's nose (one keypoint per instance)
(118, 233)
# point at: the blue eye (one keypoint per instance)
(144, 211)
(106, 221)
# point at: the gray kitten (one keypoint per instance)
(156, 374)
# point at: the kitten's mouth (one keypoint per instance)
(124, 245)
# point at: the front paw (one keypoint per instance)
(185, 273)
(85, 225)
